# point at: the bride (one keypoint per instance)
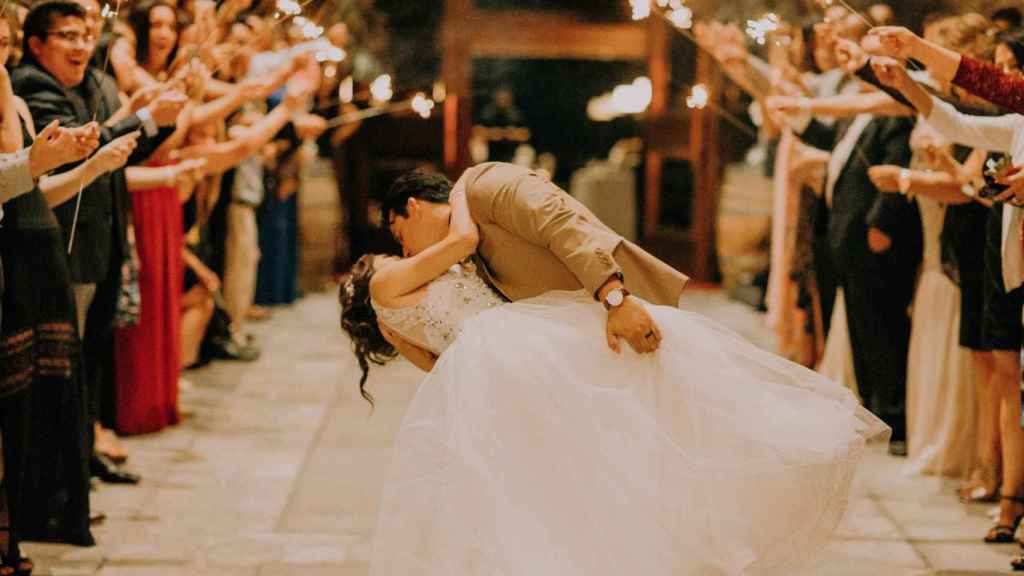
(531, 448)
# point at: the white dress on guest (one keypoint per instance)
(533, 449)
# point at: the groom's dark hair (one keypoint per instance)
(420, 184)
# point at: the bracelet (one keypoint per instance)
(903, 182)
(969, 191)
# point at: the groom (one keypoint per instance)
(535, 238)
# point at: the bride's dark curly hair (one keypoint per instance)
(359, 321)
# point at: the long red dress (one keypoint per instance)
(147, 354)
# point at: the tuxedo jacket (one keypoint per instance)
(857, 205)
(535, 237)
(100, 236)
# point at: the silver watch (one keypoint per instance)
(615, 298)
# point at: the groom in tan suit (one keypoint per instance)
(535, 238)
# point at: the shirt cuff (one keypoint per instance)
(148, 124)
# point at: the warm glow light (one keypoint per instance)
(759, 29)
(440, 93)
(331, 54)
(330, 71)
(681, 18)
(346, 90)
(641, 9)
(633, 98)
(289, 7)
(698, 98)
(422, 105)
(381, 89)
(600, 109)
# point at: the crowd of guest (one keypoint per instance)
(897, 246)
(140, 225)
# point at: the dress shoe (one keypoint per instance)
(230, 349)
(103, 468)
(898, 448)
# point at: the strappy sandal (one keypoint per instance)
(1005, 533)
(976, 490)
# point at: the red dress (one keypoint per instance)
(991, 83)
(147, 354)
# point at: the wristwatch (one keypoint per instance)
(615, 298)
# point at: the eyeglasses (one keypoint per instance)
(73, 37)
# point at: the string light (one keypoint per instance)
(422, 105)
(698, 98)
(759, 29)
(681, 18)
(289, 7)
(440, 92)
(633, 98)
(640, 8)
(381, 89)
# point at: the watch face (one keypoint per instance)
(614, 298)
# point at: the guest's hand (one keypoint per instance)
(208, 278)
(166, 108)
(1015, 193)
(885, 178)
(115, 154)
(187, 173)
(633, 323)
(787, 105)
(144, 97)
(56, 146)
(892, 41)
(890, 72)
(850, 55)
(878, 241)
(309, 126)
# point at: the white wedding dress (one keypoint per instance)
(533, 449)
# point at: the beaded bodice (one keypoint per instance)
(437, 320)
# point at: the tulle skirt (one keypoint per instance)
(531, 448)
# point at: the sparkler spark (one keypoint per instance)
(641, 8)
(759, 29)
(698, 98)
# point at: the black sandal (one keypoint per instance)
(1004, 533)
(1017, 563)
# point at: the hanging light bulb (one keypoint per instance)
(381, 88)
(640, 9)
(422, 105)
(698, 98)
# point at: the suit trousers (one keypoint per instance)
(241, 261)
(879, 325)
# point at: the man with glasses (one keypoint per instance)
(57, 82)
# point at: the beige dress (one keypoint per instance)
(940, 391)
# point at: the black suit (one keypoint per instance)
(100, 243)
(100, 240)
(878, 288)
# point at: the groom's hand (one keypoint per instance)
(631, 321)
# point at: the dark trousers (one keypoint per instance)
(879, 325)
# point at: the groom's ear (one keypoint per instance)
(412, 207)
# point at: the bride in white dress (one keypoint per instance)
(532, 448)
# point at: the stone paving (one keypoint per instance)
(277, 467)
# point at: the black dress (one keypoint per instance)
(42, 403)
(1002, 322)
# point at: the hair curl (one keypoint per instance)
(359, 321)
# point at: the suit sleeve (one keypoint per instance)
(889, 210)
(531, 207)
(819, 135)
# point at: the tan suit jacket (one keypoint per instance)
(535, 238)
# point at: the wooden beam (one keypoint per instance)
(550, 35)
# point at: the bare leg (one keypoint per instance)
(197, 308)
(983, 482)
(1006, 387)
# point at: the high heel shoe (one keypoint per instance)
(983, 485)
(1004, 533)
